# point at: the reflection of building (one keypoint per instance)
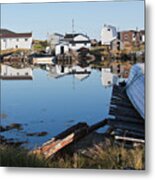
(58, 71)
(107, 77)
(81, 73)
(10, 73)
(108, 34)
(117, 45)
(12, 40)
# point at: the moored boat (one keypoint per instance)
(135, 88)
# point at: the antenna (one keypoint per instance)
(73, 26)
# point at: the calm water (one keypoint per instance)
(52, 104)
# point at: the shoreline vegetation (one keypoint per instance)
(97, 157)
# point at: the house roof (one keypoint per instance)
(57, 34)
(142, 31)
(70, 36)
(5, 33)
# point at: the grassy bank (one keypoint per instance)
(110, 158)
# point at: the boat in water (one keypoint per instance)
(135, 88)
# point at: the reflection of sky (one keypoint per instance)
(52, 105)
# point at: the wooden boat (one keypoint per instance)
(135, 88)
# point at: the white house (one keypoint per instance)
(77, 41)
(12, 40)
(10, 73)
(108, 34)
(61, 48)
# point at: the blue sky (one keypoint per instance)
(89, 17)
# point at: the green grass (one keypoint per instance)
(110, 158)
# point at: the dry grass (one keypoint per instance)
(96, 158)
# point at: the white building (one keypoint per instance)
(10, 73)
(12, 40)
(108, 34)
(54, 39)
(61, 48)
(77, 41)
(142, 36)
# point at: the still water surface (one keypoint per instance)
(52, 104)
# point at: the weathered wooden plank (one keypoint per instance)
(120, 99)
(126, 126)
(97, 125)
(120, 112)
(129, 139)
(124, 116)
(122, 108)
(121, 103)
(67, 137)
(51, 148)
(127, 133)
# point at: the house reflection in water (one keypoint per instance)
(78, 72)
(11, 73)
(107, 78)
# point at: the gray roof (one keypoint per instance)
(6, 31)
(69, 36)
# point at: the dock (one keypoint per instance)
(126, 123)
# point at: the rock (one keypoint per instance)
(3, 116)
(11, 126)
(37, 134)
(14, 126)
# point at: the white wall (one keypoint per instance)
(58, 48)
(12, 43)
(108, 34)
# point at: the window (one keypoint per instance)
(4, 40)
(126, 37)
(26, 73)
(108, 29)
(26, 39)
(17, 39)
(17, 73)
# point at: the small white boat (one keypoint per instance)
(44, 60)
(135, 88)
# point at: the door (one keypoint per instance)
(61, 49)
